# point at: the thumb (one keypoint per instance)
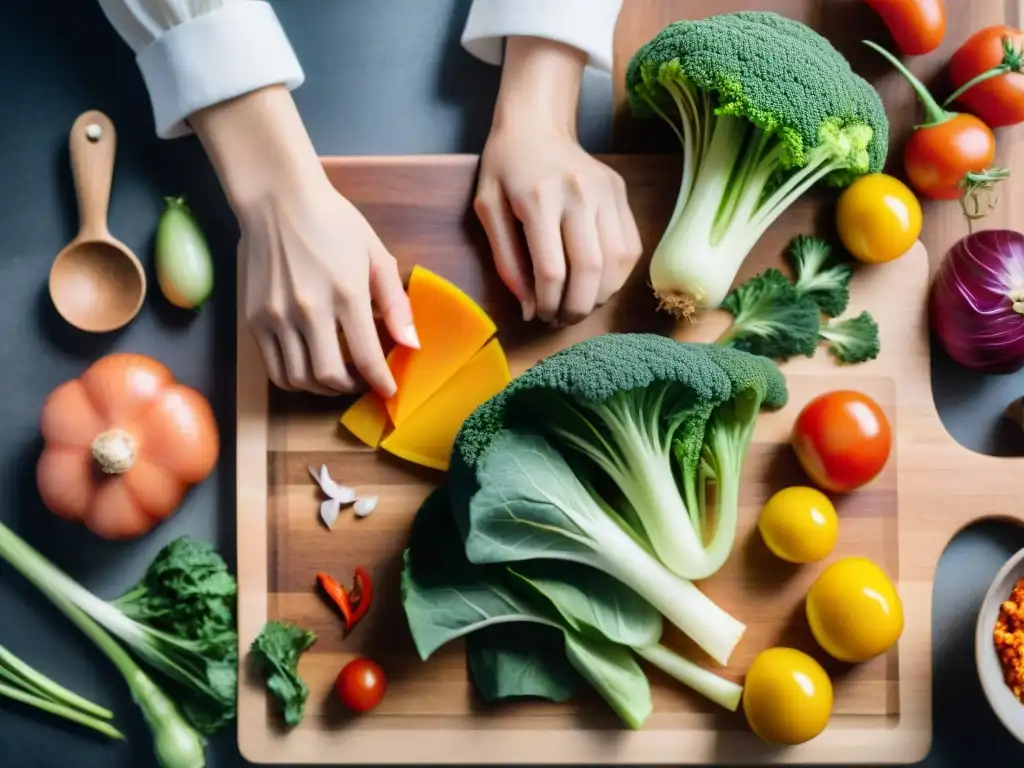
(391, 300)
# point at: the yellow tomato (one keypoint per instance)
(878, 218)
(787, 696)
(854, 610)
(799, 524)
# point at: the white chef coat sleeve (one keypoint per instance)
(197, 53)
(588, 25)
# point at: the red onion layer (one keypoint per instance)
(976, 302)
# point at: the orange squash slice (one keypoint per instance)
(367, 419)
(426, 435)
(451, 328)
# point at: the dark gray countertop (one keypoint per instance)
(388, 80)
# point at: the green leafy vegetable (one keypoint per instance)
(764, 108)
(820, 274)
(532, 506)
(183, 623)
(176, 743)
(771, 318)
(602, 622)
(529, 662)
(20, 682)
(852, 340)
(187, 590)
(276, 652)
(628, 405)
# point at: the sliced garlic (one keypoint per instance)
(365, 505)
(331, 489)
(329, 511)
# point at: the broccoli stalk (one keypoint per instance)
(852, 340)
(765, 108)
(819, 274)
(771, 318)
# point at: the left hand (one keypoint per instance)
(581, 237)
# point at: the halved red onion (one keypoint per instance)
(976, 302)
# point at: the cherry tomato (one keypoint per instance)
(999, 100)
(917, 26)
(842, 439)
(937, 157)
(878, 218)
(361, 685)
(946, 146)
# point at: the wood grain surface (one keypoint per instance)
(930, 489)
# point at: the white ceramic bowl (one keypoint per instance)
(1008, 709)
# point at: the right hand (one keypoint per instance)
(311, 262)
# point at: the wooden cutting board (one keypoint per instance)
(930, 489)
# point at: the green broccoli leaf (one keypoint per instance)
(820, 274)
(852, 340)
(770, 318)
(276, 652)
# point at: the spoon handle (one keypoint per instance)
(92, 145)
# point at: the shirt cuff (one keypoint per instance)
(588, 25)
(217, 56)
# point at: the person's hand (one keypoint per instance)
(579, 231)
(310, 261)
(581, 241)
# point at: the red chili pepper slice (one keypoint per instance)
(339, 596)
(361, 595)
(353, 603)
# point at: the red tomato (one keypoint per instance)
(842, 440)
(361, 685)
(938, 156)
(917, 26)
(999, 100)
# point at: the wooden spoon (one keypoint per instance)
(96, 283)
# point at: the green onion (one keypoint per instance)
(176, 743)
(22, 683)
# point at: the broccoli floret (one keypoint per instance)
(764, 108)
(661, 419)
(820, 274)
(852, 340)
(771, 318)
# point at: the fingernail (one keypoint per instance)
(409, 337)
(529, 310)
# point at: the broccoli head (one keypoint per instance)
(852, 340)
(820, 274)
(661, 420)
(764, 108)
(771, 318)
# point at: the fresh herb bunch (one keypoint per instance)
(275, 653)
